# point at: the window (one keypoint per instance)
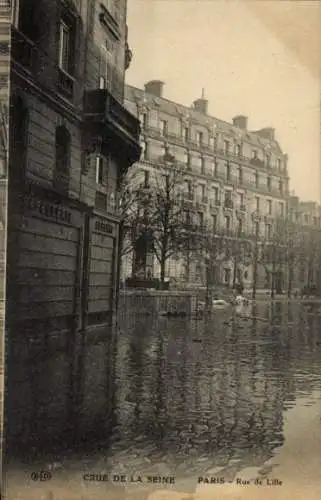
(99, 170)
(215, 167)
(226, 147)
(281, 187)
(163, 127)
(202, 191)
(61, 173)
(257, 203)
(268, 231)
(238, 150)
(200, 218)
(227, 221)
(66, 49)
(104, 68)
(188, 189)
(186, 133)
(269, 183)
(281, 208)
(269, 207)
(214, 222)
(199, 138)
(256, 179)
(240, 227)
(228, 171)
(241, 199)
(211, 142)
(256, 228)
(202, 165)
(268, 159)
(306, 218)
(186, 157)
(254, 154)
(215, 193)
(278, 164)
(240, 175)
(228, 199)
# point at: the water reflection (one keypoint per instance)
(206, 393)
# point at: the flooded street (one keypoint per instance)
(203, 405)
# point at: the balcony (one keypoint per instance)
(215, 204)
(228, 204)
(256, 215)
(23, 50)
(105, 115)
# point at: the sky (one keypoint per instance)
(250, 61)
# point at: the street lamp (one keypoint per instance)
(256, 251)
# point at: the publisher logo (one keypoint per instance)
(42, 475)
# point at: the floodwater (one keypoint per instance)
(218, 408)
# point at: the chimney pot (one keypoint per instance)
(201, 105)
(240, 121)
(154, 87)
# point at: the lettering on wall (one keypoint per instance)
(47, 209)
(103, 227)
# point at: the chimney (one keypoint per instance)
(240, 121)
(267, 133)
(154, 87)
(201, 104)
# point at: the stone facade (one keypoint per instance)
(235, 180)
(305, 226)
(71, 140)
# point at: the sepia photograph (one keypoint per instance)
(160, 250)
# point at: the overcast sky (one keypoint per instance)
(223, 46)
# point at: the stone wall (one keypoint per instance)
(158, 302)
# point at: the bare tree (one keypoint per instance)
(165, 212)
(294, 244)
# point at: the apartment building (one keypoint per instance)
(71, 141)
(305, 226)
(236, 180)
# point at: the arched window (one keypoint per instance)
(62, 166)
(18, 139)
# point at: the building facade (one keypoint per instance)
(235, 180)
(71, 141)
(305, 233)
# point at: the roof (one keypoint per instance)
(134, 94)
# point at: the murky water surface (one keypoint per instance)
(224, 398)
